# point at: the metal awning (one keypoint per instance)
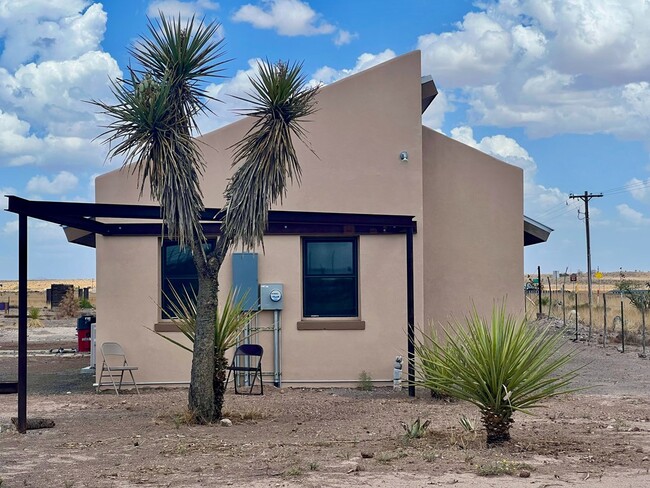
(535, 232)
(82, 224)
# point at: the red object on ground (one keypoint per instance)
(83, 340)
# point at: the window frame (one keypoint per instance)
(354, 240)
(165, 313)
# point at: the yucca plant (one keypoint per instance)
(428, 357)
(415, 429)
(503, 366)
(151, 126)
(230, 320)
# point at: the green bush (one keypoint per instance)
(365, 381)
(34, 313)
(502, 367)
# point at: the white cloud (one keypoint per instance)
(343, 37)
(291, 18)
(631, 215)
(366, 60)
(472, 55)
(39, 230)
(43, 30)
(550, 66)
(60, 184)
(224, 111)
(434, 116)
(50, 65)
(174, 8)
(639, 189)
(287, 17)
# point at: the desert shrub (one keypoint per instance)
(69, 306)
(428, 353)
(365, 381)
(415, 429)
(85, 303)
(501, 367)
(34, 316)
(498, 468)
(639, 298)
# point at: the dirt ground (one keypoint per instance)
(319, 437)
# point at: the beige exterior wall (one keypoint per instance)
(469, 245)
(362, 125)
(473, 232)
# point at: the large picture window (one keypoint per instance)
(330, 277)
(178, 273)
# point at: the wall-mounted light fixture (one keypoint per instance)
(404, 156)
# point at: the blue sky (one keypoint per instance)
(558, 87)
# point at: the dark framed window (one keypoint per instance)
(330, 271)
(178, 272)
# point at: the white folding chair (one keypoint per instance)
(114, 365)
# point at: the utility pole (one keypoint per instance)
(585, 198)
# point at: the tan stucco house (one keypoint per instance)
(379, 183)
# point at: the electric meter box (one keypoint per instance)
(271, 296)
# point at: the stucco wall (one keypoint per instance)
(362, 125)
(473, 232)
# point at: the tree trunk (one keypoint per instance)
(497, 426)
(201, 395)
(220, 365)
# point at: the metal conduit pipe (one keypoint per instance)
(276, 349)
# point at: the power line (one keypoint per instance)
(562, 209)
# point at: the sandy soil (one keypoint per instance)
(325, 437)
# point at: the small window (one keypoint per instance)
(178, 273)
(330, 277)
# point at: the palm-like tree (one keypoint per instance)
(152, 124)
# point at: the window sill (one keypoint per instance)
(320, 324)
(165, 327)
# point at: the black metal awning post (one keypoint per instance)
(410, 307)
(22, 323)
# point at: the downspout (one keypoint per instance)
(410, 311)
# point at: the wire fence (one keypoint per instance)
(615, 320)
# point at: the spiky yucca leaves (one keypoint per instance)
(153, 118)
(229, 323)
(280, 102)
(502, 367)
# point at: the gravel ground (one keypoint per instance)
(324, 437)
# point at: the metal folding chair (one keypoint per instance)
(114, 365)
(250, 352)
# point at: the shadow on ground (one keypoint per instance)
(50, 375)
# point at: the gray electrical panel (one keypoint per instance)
(245, 279)
(271, 296)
